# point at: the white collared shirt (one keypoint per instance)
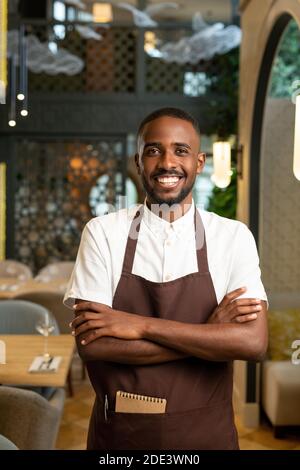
(165, 251)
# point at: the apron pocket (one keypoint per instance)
(206, 428)
(133, 431)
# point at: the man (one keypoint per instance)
(166, 296)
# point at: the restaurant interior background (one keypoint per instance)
(76, 78)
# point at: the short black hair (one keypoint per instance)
(171, 112)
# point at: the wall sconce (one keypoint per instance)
(296, 163)
(222, 164)
(102, 13)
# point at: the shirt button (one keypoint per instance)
(168, 243)
(168, 277)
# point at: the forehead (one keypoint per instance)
(168, 128)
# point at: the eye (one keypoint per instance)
(152, 151)
(181, 151)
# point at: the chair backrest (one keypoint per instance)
(59, 270)
(15, 269)
(52, 301)
(6, 444)
(28, 419)
(21, 316)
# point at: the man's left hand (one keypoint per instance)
(98, 320)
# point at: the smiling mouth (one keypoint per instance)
(168, 181)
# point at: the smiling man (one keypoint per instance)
(166, 297)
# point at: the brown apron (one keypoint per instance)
(199, 412)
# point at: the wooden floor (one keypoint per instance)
(74, 425)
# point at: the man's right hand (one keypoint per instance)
(234, 310)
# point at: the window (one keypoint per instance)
(59, 14)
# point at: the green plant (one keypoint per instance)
(286, 66)
(225, 82)
(223, 201)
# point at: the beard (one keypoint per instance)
(156, 199)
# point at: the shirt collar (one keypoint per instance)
(160, 226)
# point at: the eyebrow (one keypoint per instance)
(152, 144)
(181, 144)
(158, 144)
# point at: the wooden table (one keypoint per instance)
(10, 287)
(21, 350)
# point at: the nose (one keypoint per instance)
(167, 160)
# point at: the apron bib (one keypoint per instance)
(199, 412)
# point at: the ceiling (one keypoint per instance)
(212, 10)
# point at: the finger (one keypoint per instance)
(236, 310)
(87, 305)
(86, 326)
(93, 336)
(245, 318)
(246, 301)
(83, 317)
(231, 296)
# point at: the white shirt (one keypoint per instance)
(165, 251)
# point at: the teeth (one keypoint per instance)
(168, 180)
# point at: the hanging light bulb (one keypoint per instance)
(222, 164)
(22, 64)
(24, 111)
(24, 105)
(23, 82)
(13, 88)
(296, 163)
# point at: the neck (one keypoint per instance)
(170, 213)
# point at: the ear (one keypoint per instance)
(137, 163)
(201, 158)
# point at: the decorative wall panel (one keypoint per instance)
(279, 206)
(109, 62)
(52, 200)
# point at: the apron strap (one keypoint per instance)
(132, 239)
(201, 248)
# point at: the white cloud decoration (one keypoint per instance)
(143, 18)
(88, 33)
(205, 43)
(41, 59)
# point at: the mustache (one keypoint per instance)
(167, 173)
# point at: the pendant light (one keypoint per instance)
(222, 164)
(13, 89)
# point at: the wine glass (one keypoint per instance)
(45, 327)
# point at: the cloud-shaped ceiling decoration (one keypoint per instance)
(143, 18)
(88, 33)
(41, 59)
(205, 43)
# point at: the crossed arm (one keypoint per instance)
(236, 329)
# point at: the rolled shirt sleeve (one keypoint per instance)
(91, 276)
(245, 270)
